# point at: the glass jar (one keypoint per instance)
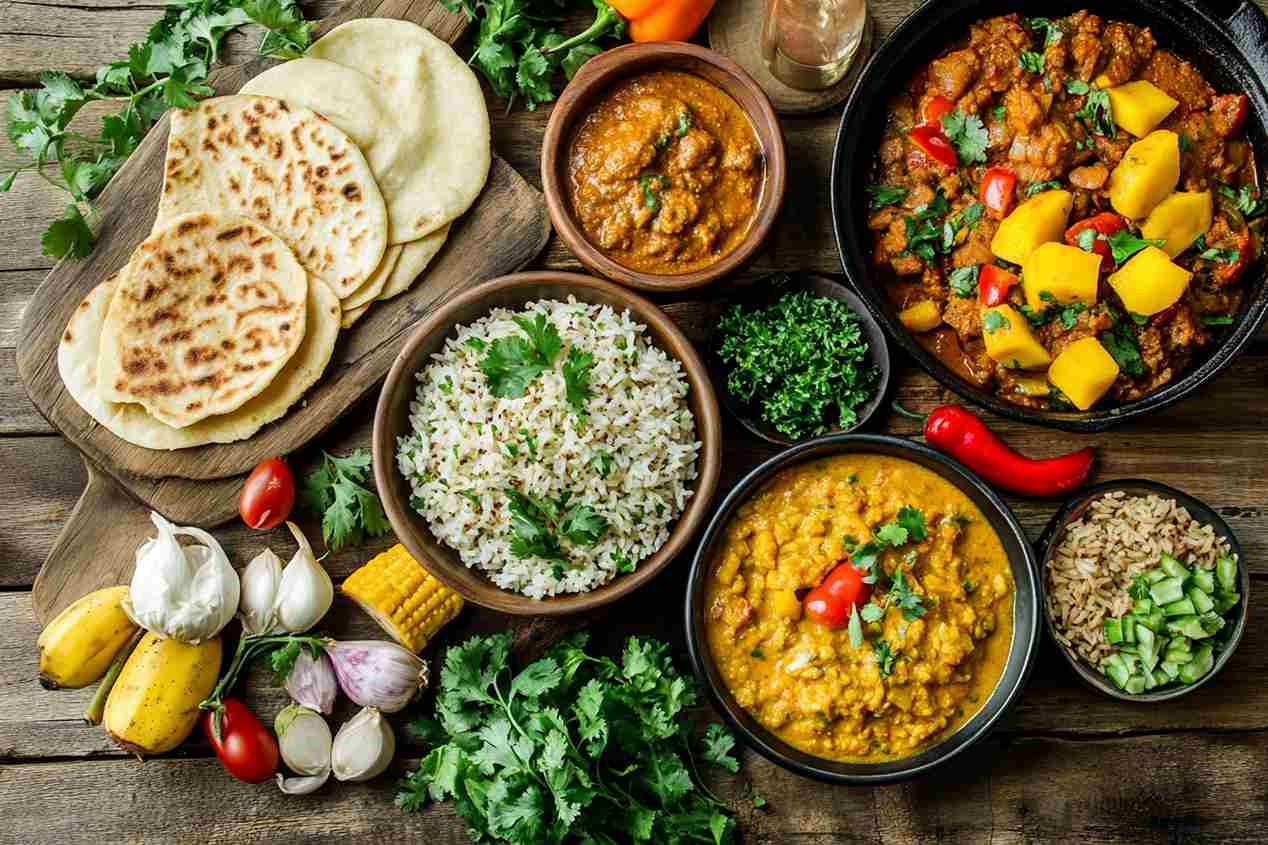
(810, 44)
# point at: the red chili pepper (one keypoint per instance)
(1106, 223)
(993, 284)
(957, 432)
(936, 108)
(933, 141)
(830, 603)
(997, 190)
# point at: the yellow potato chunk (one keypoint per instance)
(1038, 220)
(1150, 282)
(1083, 372)
(1066, 273)
(921, 317)
(1148, 173)
(1140, 106)
(1179, 220)
(1010, 341)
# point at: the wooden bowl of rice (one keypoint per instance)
(1099, 541)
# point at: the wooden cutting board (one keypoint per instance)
(504, 230)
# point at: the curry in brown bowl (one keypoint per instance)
(1063, 211)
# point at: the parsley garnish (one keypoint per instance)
(967, 134)
(167, 70)
(513, 362)
(993, 321)
(622, 563)
(968, 217)
(1069, 314)
(1039, 187)
(685, 122)
(651, 186)
(884, 657)
(1000, 112)
(1218, 320)
(803, 360)
(1031, 62)
(1051, 30)
(574, 748)
(963, 281)
(1123, 244)
(535, 524)
(1223, 256)
(602, 463)
(883, 195)
(901, 595)
(1096, 111)
(576, 371)
(924, 237)
(1245, 199)
(1121, 344)
(349, 511)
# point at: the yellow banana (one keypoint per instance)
(154, 704)
(77, 646)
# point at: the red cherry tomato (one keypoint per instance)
(245, 747)
(268, 494)
(930, 138)
(997, 192)
(993, 284)
(936, 108)
(829, 603)
(1106, 223)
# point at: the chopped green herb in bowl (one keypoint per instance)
(804, 360)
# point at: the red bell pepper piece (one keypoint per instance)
(930, 138)
(993, 284)
(1228, 114)
(996, 192)
(936, 108)
(1104, 224)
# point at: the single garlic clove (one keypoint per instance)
(377, 673)
(306, 592)
(303, 738)
(363, 747)
(312, 682)
(302, 785)
(260, 581)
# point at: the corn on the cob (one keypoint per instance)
(402, 597)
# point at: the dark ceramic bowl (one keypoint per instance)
(1026, 612)
(763, 294)
(1224, 39)
(1073, 509)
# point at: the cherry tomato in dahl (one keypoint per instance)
(268, 494)
(245, 747)
(830, 603)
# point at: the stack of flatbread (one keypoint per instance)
(327, 185)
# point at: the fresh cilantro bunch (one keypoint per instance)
(349, 511)
(511, 363)
(802, 359)
(536, 525)
(519, 50)
(574, 748)
(167, 70)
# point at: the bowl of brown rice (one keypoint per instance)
(1097, 544)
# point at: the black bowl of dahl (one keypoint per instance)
(890, 669)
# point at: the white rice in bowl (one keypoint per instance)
(630, 459)
(1100, 554)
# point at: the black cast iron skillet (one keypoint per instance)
(1026, 612)
(1226, 40)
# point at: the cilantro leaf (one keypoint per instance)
(968, 135)
(1121, 343)
(872, 612)
(1052, 32)
(602, 463)
(993, 321)
(349, 511)
(1031, 62)
(883, 656)
(717, 748)
(883, 195)
(1039, 187)
(576, 371)
(1245, 199)
(904, 598)
(913, 520)
(1123, 244)
(1096, 111)
(583, 525)
(512, 362)
(963, 281)
(68, 236)
(891, 534)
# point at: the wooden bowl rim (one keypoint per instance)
(594, 77)
(441, 561)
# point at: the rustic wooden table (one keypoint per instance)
(1066, 765)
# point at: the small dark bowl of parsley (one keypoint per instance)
(798, 356)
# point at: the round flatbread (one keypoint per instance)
(287, 168)
(427, 85)
(351, 316)
(77, 363)
(209, 310)
(414, 258)
(369, 291)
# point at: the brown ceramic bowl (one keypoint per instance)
(391, 420)
(590, 83)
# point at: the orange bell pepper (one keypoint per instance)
(663, 20)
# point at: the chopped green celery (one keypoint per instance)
(1178, 650)
(1201, 601)
(1132, 662)
(1142, 607)
(1204, 579)
(1189, 626)
(1129, 629)
(1173, 567)
(1225, 601)
(1211, 622)
(1156, 621)
(1182, 607)
(1171, 670)
(1113, 631)
(1153, 576)
(1153, 680)
(1167, 590)
(1135, 685)
(1148, 647)
(1115, 668)
(1226, 572)
(1195, 669)
(1128, 648)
